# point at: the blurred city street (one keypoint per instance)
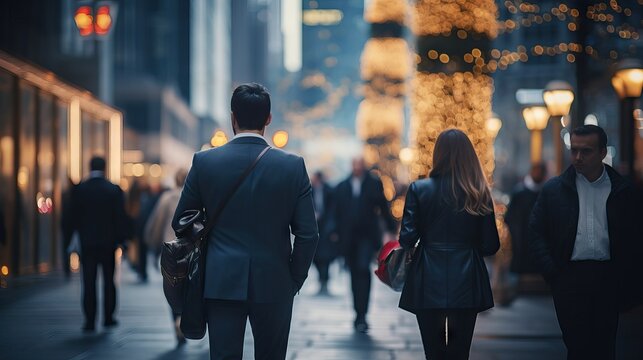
(46, 320)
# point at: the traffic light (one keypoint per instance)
(103, 20)
(84, 20)
(100, 24)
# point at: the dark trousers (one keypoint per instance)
(90, 261)
(142, 259)
(587, 310)
(460, 332)
(270, 323)
(359, 263)
(322, 266)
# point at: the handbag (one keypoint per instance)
(393, 264)
(183, 263)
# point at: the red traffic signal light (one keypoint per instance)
(103, 20)
(84, 20)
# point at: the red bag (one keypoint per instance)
(392, 264)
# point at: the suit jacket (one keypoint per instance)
(359, 219)
(249, 255)
(554, 222)
(447, 271)
(98, 214)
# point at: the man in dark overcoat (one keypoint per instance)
(360, 208)
(583, 240)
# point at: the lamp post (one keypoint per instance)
(558, 96)
(627, 82)
(536, 120)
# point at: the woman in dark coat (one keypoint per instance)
(451, 214)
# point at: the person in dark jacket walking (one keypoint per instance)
(360, 205)
(517, 218)
(98, 214)
(582, 238)
(252, 270)
(451, 214)
(327, 247)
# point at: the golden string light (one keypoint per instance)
(436, 17)
(385, 57)
(440, 102)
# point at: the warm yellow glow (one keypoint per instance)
(6, 154)
(138, 170)
(280, 138)
(558, 102)
(438, 17)
(406, 156)
(315, 17)
(23, 177)
(388, 57)
(493, 125)
(442, 101)
(156, 170)
(127, 169)
(381, 11)
(536, 117)
(74, 262)
(5, 270)
(115, 147)
(103, 20)
(219, 139)
(75, 149)
(619, 86)
(397, 208)
(380, 117)
(632, 82)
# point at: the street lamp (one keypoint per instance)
(627, 82)
(536, 120)
(558, 96)
(493, 125)
(280, 138)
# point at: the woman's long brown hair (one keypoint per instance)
(455, 159)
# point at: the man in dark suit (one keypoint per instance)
(582, 236)
(98, 214)
(327, 247)
(360, 205)
(252, 271)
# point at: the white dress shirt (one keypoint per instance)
(248, 134)
(356, 185)
(592, 237)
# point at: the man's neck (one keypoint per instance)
(594, 175)
(257, 132)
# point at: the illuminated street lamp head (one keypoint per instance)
(628, 78)
(103, 20)
(493, 125)
(535, 117)
(218, 139)
(84, 20)
(558, 96)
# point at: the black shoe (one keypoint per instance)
(88, 328)
(110, 323)
(361, 325)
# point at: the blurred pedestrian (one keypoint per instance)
(360, 207)
(582, 238)
(327, 247)
(517, 218)
(451, 214)
(98, 214)
(251, 269)
(158, 229)
(149, 198)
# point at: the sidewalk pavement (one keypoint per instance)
(46, 324)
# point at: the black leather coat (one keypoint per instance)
(448, 271)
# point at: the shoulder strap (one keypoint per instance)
(224, 202)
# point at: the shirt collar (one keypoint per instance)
(598, 181)
(96, 174)
(248, 134)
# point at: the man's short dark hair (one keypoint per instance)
(585, 130)
(97, 163)
(250, 105)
